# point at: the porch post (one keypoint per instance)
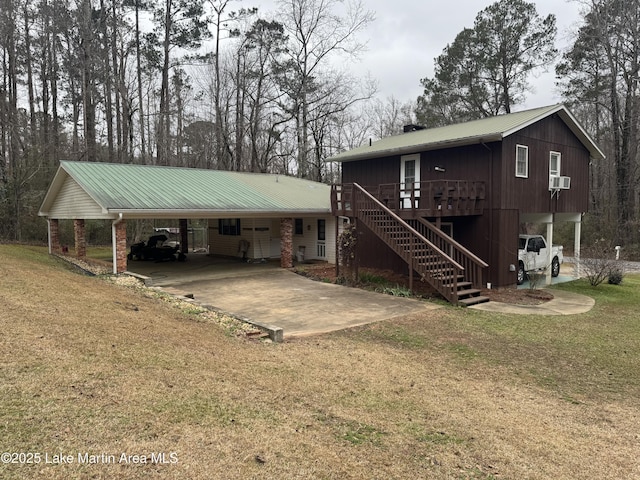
(80, 238)
(54, 235)
(184, 236)
(576, 247)
(549, 251)
(286, 242)
(119, 239)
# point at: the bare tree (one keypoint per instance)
(318, 34)
(601, 72)
(389, 117)
(180, 25)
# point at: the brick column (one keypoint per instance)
(81, 241)
(120, 239)
(286, 242)
(54, 235)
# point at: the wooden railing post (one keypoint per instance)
(411, 257)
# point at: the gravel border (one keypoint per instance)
(229, 323)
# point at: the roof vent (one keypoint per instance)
(412, 128)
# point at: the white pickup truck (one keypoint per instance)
(534, 256)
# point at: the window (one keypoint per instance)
(410, 171)
(554, 164)
(322, 229)
(298, 227)
(522, 161)
(229, 226)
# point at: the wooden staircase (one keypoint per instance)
(440, 261)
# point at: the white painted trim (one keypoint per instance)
(526, 175)
(551, 153)
(536, 218)
(576, 247)
(549, 251)
(416, 182)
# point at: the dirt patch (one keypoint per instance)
(376, 279)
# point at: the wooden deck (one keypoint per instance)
(433, 199)
(439, 260)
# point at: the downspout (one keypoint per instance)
(114, 243)
(49, 234)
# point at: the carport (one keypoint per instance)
(549, 219)
(238, 206)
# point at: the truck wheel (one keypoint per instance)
(555, 267)
(522, 275)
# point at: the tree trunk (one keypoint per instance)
(87, 83)
(108, 81)
(141, 110)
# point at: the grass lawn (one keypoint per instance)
(95, 371)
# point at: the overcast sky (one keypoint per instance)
(407, 35)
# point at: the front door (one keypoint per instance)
(409, 180)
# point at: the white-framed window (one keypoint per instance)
(554, 164)
(522, 161)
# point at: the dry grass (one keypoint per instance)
(91, 367)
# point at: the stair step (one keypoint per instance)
(447, 280)
(467, 302)
(444, 273)
(471, 292)
(460, 285)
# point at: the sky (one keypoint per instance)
(403, 43)
(407, 36)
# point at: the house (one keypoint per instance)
(268, 215)
(448, 203)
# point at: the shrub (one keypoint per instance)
(366, 277)
(397, 291)
(616, 275)
(597, 262)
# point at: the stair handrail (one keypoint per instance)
(453, 242)
(413, 231)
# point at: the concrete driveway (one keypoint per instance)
(268, 295)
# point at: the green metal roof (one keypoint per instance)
(149, 190)
(486, 130)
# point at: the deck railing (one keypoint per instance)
(474, 267)
(433, 264)
(435, 198)
(434, 247)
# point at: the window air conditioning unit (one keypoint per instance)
(559, 183)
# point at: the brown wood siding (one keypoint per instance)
(373, 172)
(532, 195)
(498, 229)
(494, 235)
(462, 163)
(506, 225)
(374, 253)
